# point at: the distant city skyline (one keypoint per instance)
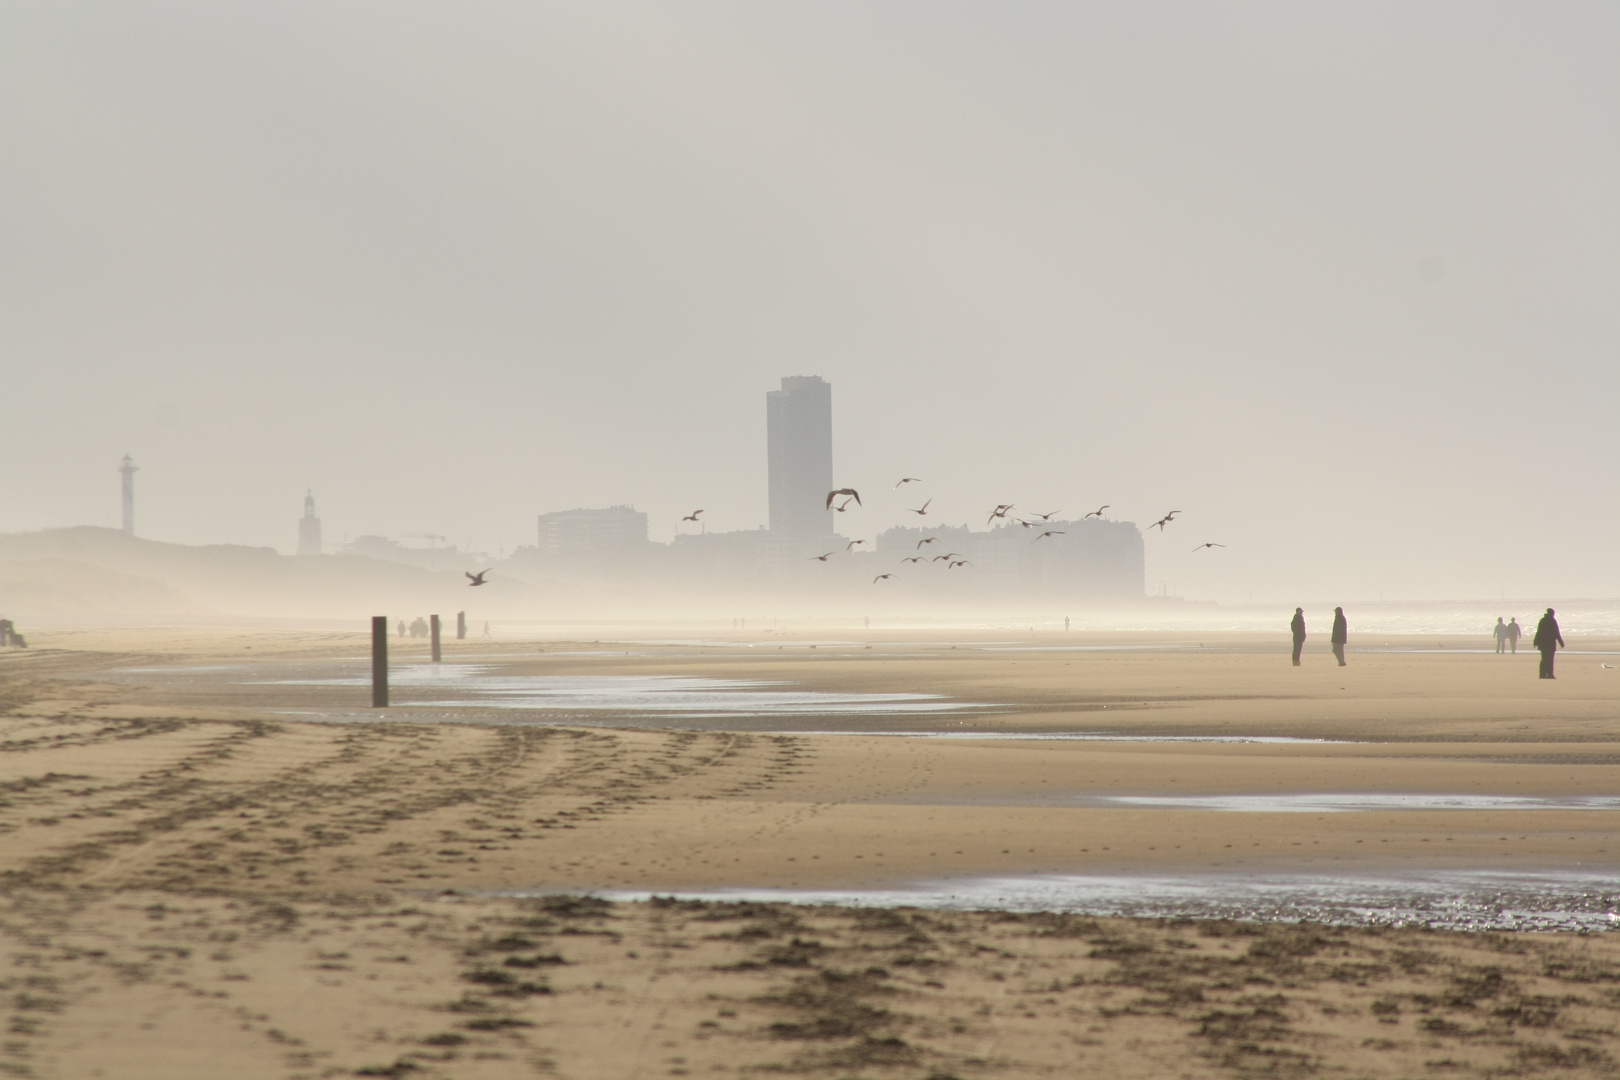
(1336, 280)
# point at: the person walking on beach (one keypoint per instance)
(1298, 627)
(1501, 634)
(1514, 633)
(1341, 634)
(1548, 640)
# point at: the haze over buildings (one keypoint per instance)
(810, 551)
(1335, 279)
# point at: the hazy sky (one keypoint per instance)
(1341, 282)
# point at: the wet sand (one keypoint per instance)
(198, 823)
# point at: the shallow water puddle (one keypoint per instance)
(1314, 802)
(1459, 900)
(1075, 736)
(470, 686)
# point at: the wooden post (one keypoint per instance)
(433, 632)
(461, 625)
(379, 661)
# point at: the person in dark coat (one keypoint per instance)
(1298, 627)
(1514, 634)
(1341, 634)
(1548, 640)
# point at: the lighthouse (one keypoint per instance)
(309, 528)
(128, 470)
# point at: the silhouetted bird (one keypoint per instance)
(999, 512)
(1167, 519)
(954, 565)
(1045, 517)
(692, 516)
(914, 558)
(1044, 535)
(821, 558)
(851, 492)
(476, 579)
(1201, 547)
(841, 507)
(929, 540)
(948, 556)
(920, 513)
(908, 480)
(852, 543)
(881, 577)
(1098, 512)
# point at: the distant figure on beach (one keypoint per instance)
(1501, 635)
(486, 629)
(402, 628)
(1548, 640)
(419, 628)
(1065, 624)
(1341, 634)
(1298, 627)
(1514, 633)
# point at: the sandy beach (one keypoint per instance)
(216, 853)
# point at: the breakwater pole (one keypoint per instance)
(433, 632)
(379, 661)
(461, 625)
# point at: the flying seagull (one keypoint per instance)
(1098, 512)
(1045, 517)
(929, 540)
(999, 512)
(1044, 535)
(881, 577)
(476, 579)
(841, 507)
(1167, 519)
(948, 556)
(1201, 547)
(954, 565)
(820, 558)
(908, 480)
(851, 492)
(692, 516)
(920, 513)
(852, 543)
(914, 558)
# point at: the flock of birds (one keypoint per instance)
(955, 559)
(952, 559)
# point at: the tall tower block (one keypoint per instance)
(129, 470)
(309, 528)
(798, 431)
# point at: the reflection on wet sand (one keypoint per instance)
(1438, 901)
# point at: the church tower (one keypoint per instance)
(309, 528)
